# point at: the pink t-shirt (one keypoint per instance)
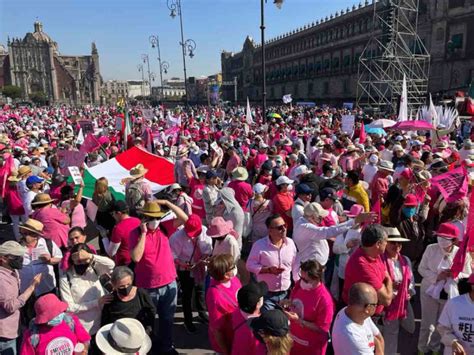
(197, 187)
(244, 342)
(156, 267)
(54, 227)
(243, 192)
(57, 340)
(260, 159)
(315, 306)
(221, 301)
(78, 216)
(121, 234)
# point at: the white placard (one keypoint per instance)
(348, 122)
(75, 174)
(37, 252)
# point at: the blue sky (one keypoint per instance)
(121, 28)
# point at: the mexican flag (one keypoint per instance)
(160, 172)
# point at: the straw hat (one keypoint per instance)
(240, 174)
(33, 225)
(138, 171)
(42, 199)
(23, 170)
(152, 209)
(14, 176)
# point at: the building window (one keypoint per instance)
(310, 89)
(325, 88)
(456, 3)
(345, 86)
(457, 40)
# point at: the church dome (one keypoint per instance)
(39, 35)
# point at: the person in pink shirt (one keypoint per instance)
(71, 204)
(271, 260)
(196, 187)
(56, 223)
(221, 301)
(243, 190)
(262, 156)
(233, 162)
(250, 298)
(53, 330)
(310, 310)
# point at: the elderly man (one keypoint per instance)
(11, 260)
(311, 236)
(354, 332)
(271, 260)
(366, 265)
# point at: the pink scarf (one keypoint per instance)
(398, 307)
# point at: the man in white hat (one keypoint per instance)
(11, 260)
(283, 201)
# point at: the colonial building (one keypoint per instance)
(36, 66)
(319, 61)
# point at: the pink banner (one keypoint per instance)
(453, 184)
(70, 158)
(467, 242)
(91, 143)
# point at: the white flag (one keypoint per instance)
(403, 111)
(287, 99)
(248, 114)
(432, 114)
(80, 137)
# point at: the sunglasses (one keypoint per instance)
(280, 228)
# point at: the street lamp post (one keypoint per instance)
(189, 46)
(140, 69)
(146, 59)
(155, 42)
(278, 4)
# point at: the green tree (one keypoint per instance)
(39, 98)
(11, 91)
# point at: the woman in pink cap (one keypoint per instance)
(438, 284)
(54, 331)
(224, 238)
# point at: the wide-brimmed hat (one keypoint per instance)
(354, 211)
(193, 226)
(20, 134)
(394, 235)
(468, 144)
(13, 248)
(42, 199)
(175, 186)
(315, 208)
(152, 209)
(447, 230)
(124, 336)
(24, 170)
(351, 148)
(138, 171)
(240, 174)
(442, 145)
(48, 307)
(219, 227)
(386, 165)
(14, 176)
(33, 225)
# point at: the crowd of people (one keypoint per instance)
(283, 232)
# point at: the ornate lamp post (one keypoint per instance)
(155, 42)
(140, 69)
(189, 46)
(146, 59)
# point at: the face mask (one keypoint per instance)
(444, 243)
(306, 285)
(124, 291)
(81, 269)
(153, 224)
(16, 262)
(56, 320)
(409, 211)
(290, 187)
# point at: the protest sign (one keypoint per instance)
(348, 122)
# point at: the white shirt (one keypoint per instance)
(228, 246)
(350, 338)
(311, 241)
(32, 266)
(297, 210)
(183, 247)
(30, 195)
(340, 247)
(458, 315)
(369, 171)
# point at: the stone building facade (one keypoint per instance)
(35, 65)
(319, 62)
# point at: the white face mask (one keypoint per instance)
(305, 285)
(444, 243)
(153, 224)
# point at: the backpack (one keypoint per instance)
(35, 336)
(134, 196)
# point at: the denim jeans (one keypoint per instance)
(165, 299)
(8, 347)
(272, 299)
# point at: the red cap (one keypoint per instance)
(410, 200)
(193, 226)
(407, 174)
(448, 230)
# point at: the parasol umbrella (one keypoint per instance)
(274, 115)
(381, 123)
(415, 125)
(375, 130)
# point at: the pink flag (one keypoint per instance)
(453, 184)
(467, 242)
(91, 143)
(362, 134)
